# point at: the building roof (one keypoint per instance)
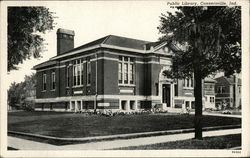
(208, 79)
(227, 80)
(112, 41)
(44, 64)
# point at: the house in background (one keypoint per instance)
(228, 91)
(112, 72)
(209, 93)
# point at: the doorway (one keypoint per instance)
(166, 94)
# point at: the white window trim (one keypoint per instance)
(75, 73)
(128, 71)
(212, 99)
(185, 84)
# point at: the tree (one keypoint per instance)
(210, 39)
(18, 93)
(24, 26)
(15, 94)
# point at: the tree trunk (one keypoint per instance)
(198, 105)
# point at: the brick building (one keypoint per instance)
(112, 72)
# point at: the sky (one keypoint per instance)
(96, 19)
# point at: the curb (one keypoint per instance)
(122, 136)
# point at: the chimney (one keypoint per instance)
(65, 40)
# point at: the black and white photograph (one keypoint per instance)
(125, 78)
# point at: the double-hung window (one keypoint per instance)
(188, 83)
(44, 82)
(125, 73)
(221, 89)
(126, 70)
(67, 76)
(131, 72)
(211, 99)
(88, 72)
(120, 72)
(53, 80)
(77, 73)
(82, 72)
(74, 74)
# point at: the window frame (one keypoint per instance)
(126, 71)
(211, 99)
(188, 83)
(53, 81)
(77, 73)
(88, 72)
(44, 82)
(67, 77)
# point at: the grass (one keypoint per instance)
(60, 124)
(218, 142)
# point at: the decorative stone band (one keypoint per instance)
(103, 104)
(99, 97)
(78, 92)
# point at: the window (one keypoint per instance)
(188, 83)
(67, 76)
(44, 81)
(175, 89)
(221, 89)
(120, 72)
(88, 72)
(126, 70)
(124, 105)
(211, 99)
(82, 73)
(126, 73)
(131, 73)
(132, 105)
(157, 88)
(53, 81)
(191, 82)
(74, 75)
(77, 73)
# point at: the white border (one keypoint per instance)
(138, 153)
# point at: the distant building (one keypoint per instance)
(228, 91)
(112, 72)
(209, 93)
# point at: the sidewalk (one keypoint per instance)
(218, 114)
(23, 144)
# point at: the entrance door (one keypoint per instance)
(166, 94)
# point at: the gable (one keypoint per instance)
(222, 81)
(164, 50)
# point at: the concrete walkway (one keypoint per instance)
(23, 144)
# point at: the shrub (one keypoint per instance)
(28, 106)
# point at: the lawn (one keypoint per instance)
(218, 142)
(78, 125)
